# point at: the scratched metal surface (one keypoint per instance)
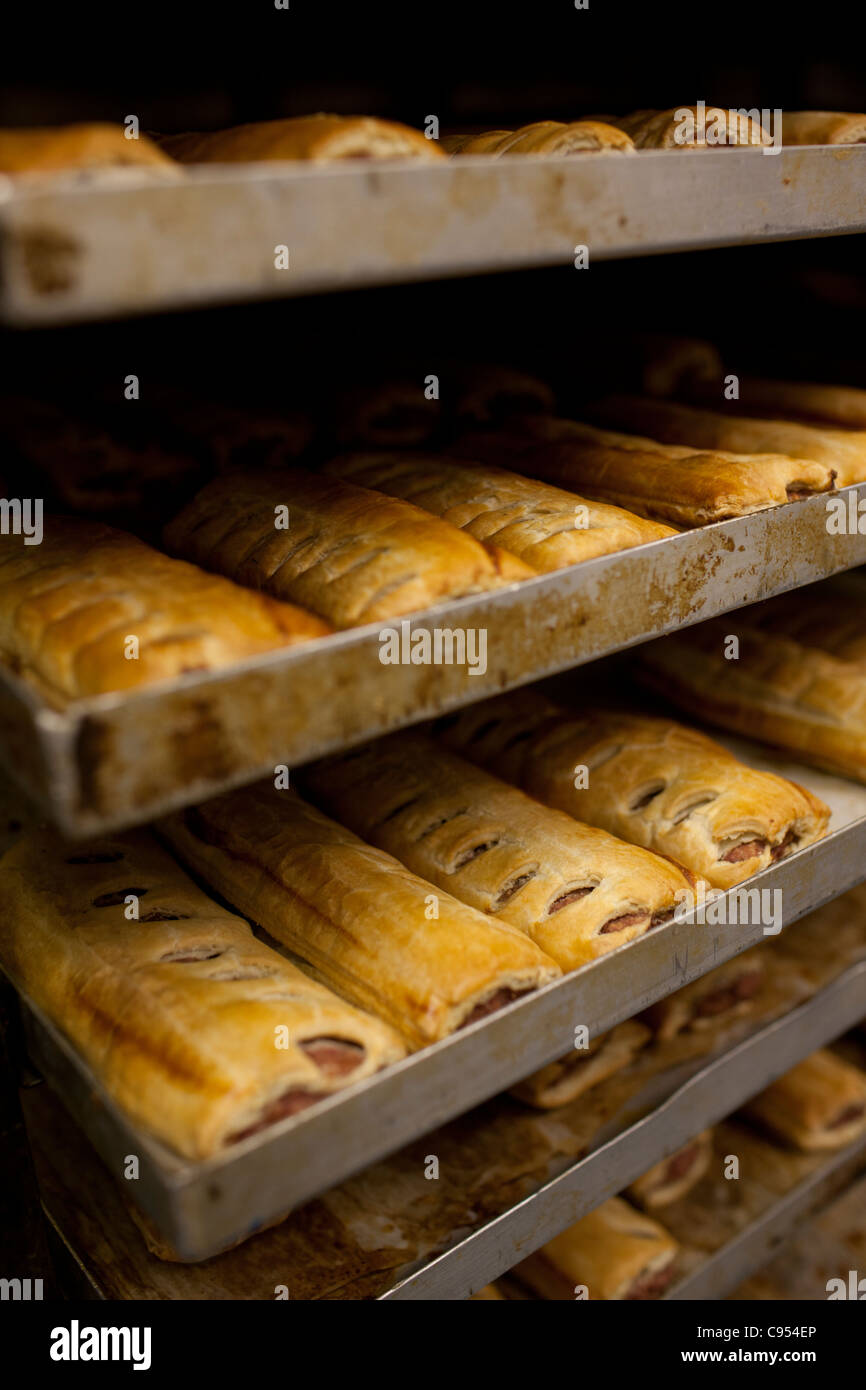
(114, 244)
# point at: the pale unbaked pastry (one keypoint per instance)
(57, 149)
(543, 138)
(319, 138)
(564, 1080)
(673, 1176)
(819, 1104)
(176, 1011)
(616, 1252)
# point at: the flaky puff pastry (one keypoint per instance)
(838, 451)
(644, 779)
(726, 993)
(823, 128)
(351, 555)
(615, 1253)
(574, 889)
(422, 961)
(798, 681)
(181, 1012)
(811, 402)
(544, 526)
(685, 485)
(69, 606)
(543, 138)
(569, 1077)
(687, 127)
(320, 138)
(819, 1104)
(54, 150)
(675, 1175)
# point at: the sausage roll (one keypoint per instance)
(52, 150)
(422, 961)
(823, 128)
(69, 606)
(320, 138)
(394, 414)
(724, 993)
(799, 680)
(575, 890)
(486, 393)
(229, 437)
(569, 1077)
(810, 402)
(615, 1253)
(685, 485)
(674, 1176)
(838, 451)
(351, 555)
(544, 138)
(819, 1104)
(688, 127)
(200, 1033)
(541, 525)
(648, 780)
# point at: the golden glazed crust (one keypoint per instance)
(612, 1252)
(675, 1175)
(352, 555)
(67, 607)
(541, 525)
(543, 138)
(575, 890)
(819, 1104)
(662, 481)
(176, 1012)
(726, 992)
(683, 127)
(569, 1077)
(319, 138)
(648, 780)
(355, 915)
(823, 128)
(811, 402)
(799, 681)
(51, 150)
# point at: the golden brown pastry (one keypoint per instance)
(543, 138)
(811, 402)
(541, 525)
(489, 1293)
(569, 1077)
(393, 414)
(231, 437)
(686, 127)
(726, 992)
(69, 606)
(836, 451)
(425, 963)
(320, 138)
(675, 1175)
(487, 393)
(799, 680)
(55, 149)
(819, 1104)
(575, 890)
(823, 128)
(614, 1253)
(351, 555)
(662, 481)
(648, 780)
(178, 1012)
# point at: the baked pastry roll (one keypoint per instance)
(320, 138)
(176, 1012)
(361, 921)
(569, 1077)
(489, 1293)
(229, 437)
(675, 1175)
(487, 393)
(541, 525)
(819, 1104)
(615, 1253)
(393, 414)
(811, 402)
(724, 993)
(799, 681)
(351, 555)
(56, 149)
(651, 781)
(823, 128)
(543, 138)
(685, 485)
(575, 890)
(838, 452)
(673, 129)
(69, 605)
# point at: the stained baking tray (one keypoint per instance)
(710, 1093)
(115, 760)
(202, 1208)
(94, 246)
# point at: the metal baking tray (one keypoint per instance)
(712, 1092)
(115, 760)
(203, 1208)
(93, 246)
